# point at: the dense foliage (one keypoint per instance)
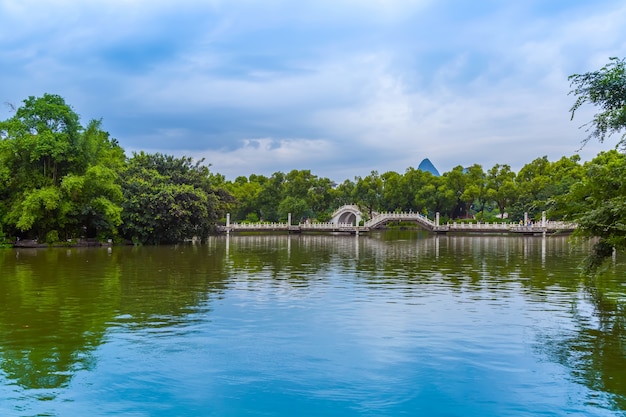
(462, 193)
(599, 201)
(61, 181)
(167, 199)
(606, 89)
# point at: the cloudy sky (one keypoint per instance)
(340, 87)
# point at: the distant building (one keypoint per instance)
(428, 166)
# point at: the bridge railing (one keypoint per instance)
(561, 225)
(515, 227)
(461, 225)
(260, 225)
(347, 207)
(326, 226)
(398, 216)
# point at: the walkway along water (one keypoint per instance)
(346, 219)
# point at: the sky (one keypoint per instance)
(340, 88)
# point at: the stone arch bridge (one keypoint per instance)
(353, 215)
(348, 219)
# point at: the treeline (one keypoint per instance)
(61, 181)
(462, 193)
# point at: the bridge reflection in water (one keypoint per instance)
(347, 219)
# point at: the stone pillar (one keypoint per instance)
(525, 219)
(289, 219)
(543, 219)
(437, 219)
(227, 219)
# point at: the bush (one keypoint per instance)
(252, 218)
(52, 237)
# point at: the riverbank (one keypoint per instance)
(34, 243)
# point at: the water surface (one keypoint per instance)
(390, 324)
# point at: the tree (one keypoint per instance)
(501, 186)
(64, 179)
(420, 187)
(44, 135)
(245, 193)
(320, 198)
(532, 183)
(435, 196)
(343, 194)
(298, 208)
(270, 196)
(368, 191)
(598, 204)
(476, 188)
(167, 199)
(394, 196)
(456, 181)
(606, 89)
(603, 213)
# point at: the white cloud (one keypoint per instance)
(266, 156)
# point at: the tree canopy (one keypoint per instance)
(60, 181)
(598, 200)
(605, 89)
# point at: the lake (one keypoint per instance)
(396, 323)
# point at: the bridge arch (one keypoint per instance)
(347, 214)
(381, 219)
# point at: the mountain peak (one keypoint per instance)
(428, 166)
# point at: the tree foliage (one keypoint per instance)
(167, 199)
(63, 177)
(61, 181)
(598, 201)
(605, 89)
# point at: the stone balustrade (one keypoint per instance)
(380, 219)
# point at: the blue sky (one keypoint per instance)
(339, 87)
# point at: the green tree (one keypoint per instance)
(343, 194)
(436, 197)
(245, 193)
(167, 199)
(394, 195)
(44, 135)
(368, 192)
(63, 178)
(475, 192)
(598, 204)
(501, 186)
(605, 89)
(270, 196)
(298, 208)
(603, 213)
(533, 185)
(421, 188)
(320, 198)
(95, 200)
(456, 182)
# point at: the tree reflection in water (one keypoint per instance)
(56, 305)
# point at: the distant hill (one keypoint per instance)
(428, 166)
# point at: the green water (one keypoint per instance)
(396, 323)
